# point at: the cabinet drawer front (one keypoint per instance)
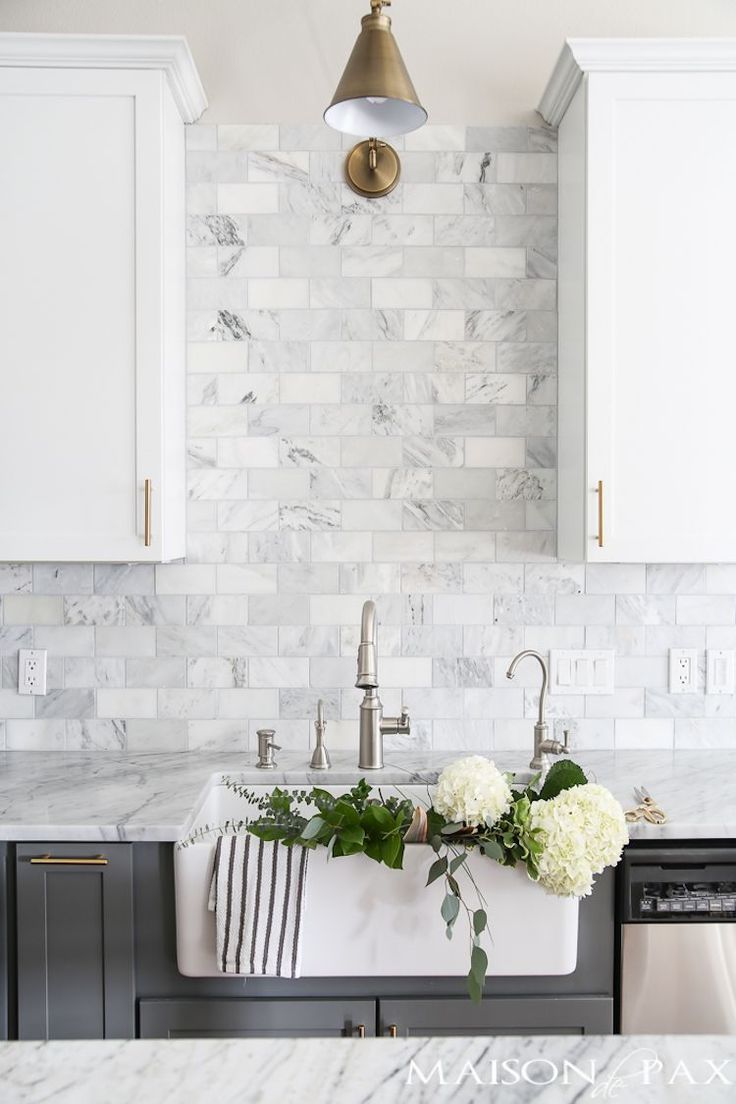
(75, 941)
(497, 1016)
(215, 1018)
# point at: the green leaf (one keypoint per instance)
(453, 885)
(436, 870)
(452, 829)
(352, 833)
(475, 991)
(346, 812)
(372, 848)
(390, 848)
(377, 818)
(458, 861)
(312, 828)
(337, 851)
(450, 908)
(480, 921)
(436, 843)
(478, 964)
(563, 775)
(492, 849)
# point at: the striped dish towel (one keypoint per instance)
(257, 894)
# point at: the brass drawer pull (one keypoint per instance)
(393, 1030)
(51, 860)
(361, 1031)
(147, 518)
(600, 513)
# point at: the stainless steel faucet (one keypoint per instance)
(373, 725)
(543, 746)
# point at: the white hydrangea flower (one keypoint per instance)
(583, 831)
(472, 791)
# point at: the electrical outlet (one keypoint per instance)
(719, 676)
(683, 670)
(32, 671)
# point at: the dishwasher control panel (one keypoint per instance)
(675, 898)
(678, 884)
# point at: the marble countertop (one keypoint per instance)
(646, 1069)
(113, 796)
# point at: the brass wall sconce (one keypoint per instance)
(375, 96)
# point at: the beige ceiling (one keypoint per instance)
(472, 61)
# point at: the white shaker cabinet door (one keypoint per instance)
(91, 348)
(648, 307)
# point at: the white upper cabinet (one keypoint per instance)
(92, 408)
(647, 367)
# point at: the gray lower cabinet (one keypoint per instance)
(497, 1016)
(74, 909)
(257, 1018)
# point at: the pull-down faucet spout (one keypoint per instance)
(373, 725)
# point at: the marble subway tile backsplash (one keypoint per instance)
(372, 395)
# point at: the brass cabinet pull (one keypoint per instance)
(600, 513)
(147, 519)
(51, 860)
(361, 1031)
(393, 1030)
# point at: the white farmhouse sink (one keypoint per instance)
(362, 919)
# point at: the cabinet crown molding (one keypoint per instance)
(630, 55)
(169, 53)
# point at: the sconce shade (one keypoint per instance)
(375, 95)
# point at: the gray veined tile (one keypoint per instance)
(496, 325)
(403, 230)
(215, 230)
(433, 387)
(467, 293)
(403, 483)
(201, 455)
(95, 735)
(433, 514)
(281, 547)
(432, 578)
(16, 578)
(516, 483)
(94, 610)
(527, 357)
(347, 228)
(280, 166)
(433, 452)
(465, 356)
(477, 167)
(77, 704)
(161, 610)
(372, 325)
(541, 263)
(541, 452)
(308, 452)
(401, 420)
(62, 579)
(371, 387)
(309, 516)
(498, 138)
(494, 199)
(339, 483)
(492, 387)
(471, 672)
(278, 356)
(465, 230)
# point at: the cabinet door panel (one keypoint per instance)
(661, 382)
(497, 1016)
(214, 1018)
(75, 943)
(81, 341)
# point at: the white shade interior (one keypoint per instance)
(375, 117)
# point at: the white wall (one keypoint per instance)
(478, 61)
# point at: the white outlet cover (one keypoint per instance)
(32, 671)
(683, 670)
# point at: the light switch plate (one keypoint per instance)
(719, 671)
(586, 671)
(683, 670)
(32, 671)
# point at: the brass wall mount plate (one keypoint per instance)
(372, 168)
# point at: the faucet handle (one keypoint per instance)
(566, 739)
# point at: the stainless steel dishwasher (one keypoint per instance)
(678, 943)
